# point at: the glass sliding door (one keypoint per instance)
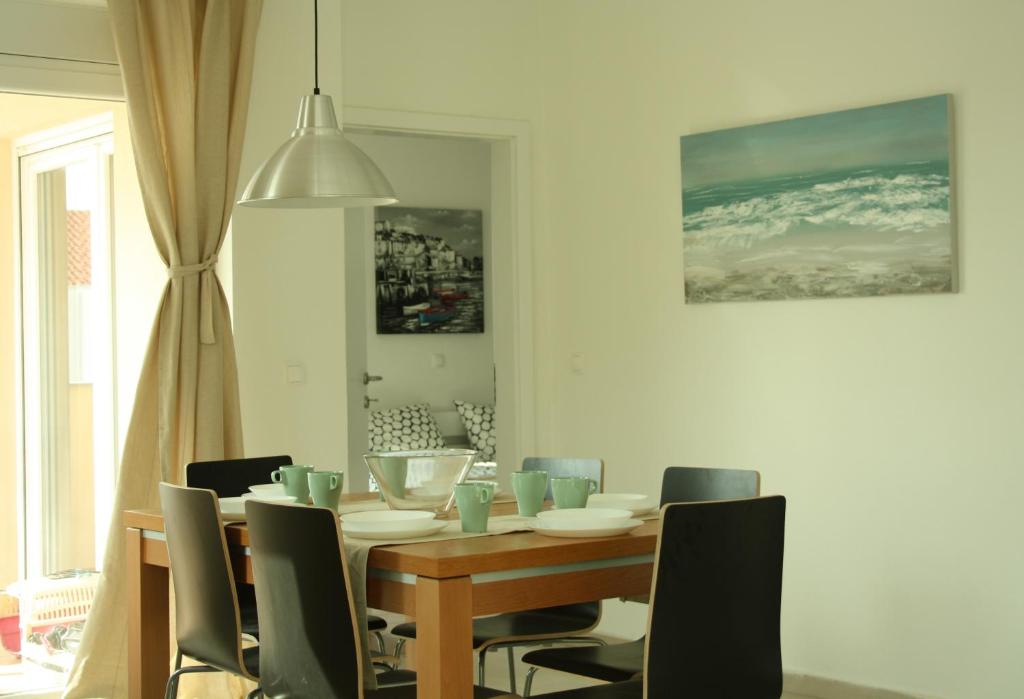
(66, 360)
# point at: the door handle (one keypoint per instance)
(367, 378)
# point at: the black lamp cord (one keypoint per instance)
(316, 49)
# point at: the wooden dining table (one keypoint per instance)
(442, 584)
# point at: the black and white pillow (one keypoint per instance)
(409, 428)
(479, 423)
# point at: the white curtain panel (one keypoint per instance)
(187, 68)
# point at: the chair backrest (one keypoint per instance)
(309, 643)
(713, 629)
(207, 621)
(232, 477)
(559, 467)
(685, 484)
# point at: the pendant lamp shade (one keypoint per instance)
(318, 167)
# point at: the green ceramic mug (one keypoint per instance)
(530, 487)
(490, 485)
(474, 502)
(325, 488)
(572, 491)
(295, 481)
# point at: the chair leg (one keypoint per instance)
(171, 690)
(481, 667)
(528, 685)
(511, 669)
(172, 681)
(381, 645)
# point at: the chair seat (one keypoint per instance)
(491, 629)
(633, 689)
(614, 663)
(396, 677)
(408, 691)
(375, 623)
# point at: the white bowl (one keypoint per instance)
(583, 518)
(634, 502)
(420, 480)
(387, 520)
(269, 497)
(268, 488)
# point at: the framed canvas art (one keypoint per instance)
(850, 203)
(429, 270)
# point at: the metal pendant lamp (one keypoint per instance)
(318, 167)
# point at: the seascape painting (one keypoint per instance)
(429, 270)
(850, 203)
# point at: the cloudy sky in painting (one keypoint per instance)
(901, 132)
(462, 229)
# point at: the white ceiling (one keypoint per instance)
(23, 114)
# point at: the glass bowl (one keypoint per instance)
(420, 480)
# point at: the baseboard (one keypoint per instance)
(824, 688)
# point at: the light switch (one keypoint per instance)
(576, 362)
(296, 373)
(437, 360)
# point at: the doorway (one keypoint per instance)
(58, 428)
(458, 165)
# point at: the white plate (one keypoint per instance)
(584, 518)
(616, 530)
(417, 533)
(387, 521)
(269, 497)
(268, 488)
(232, 509)
(636, 503)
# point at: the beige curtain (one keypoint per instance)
(187, 67)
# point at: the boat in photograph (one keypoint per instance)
(447, 296)
(415, 308)
(436, 315)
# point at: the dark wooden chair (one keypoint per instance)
(310, 644)
(207, 619)
(231, 478)
(622, 661)
(563, 624)
(713, 630)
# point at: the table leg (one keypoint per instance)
(149, 649)
(444, 638)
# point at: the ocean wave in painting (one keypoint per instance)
(911, 198)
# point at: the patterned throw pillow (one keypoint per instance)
(479, 423)
(409, 428)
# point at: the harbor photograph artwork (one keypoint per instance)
(429, 270)
(844, 204)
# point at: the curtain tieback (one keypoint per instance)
(205, 270)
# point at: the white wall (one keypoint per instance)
(289, 292)
(892, 425)
(432, 173)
